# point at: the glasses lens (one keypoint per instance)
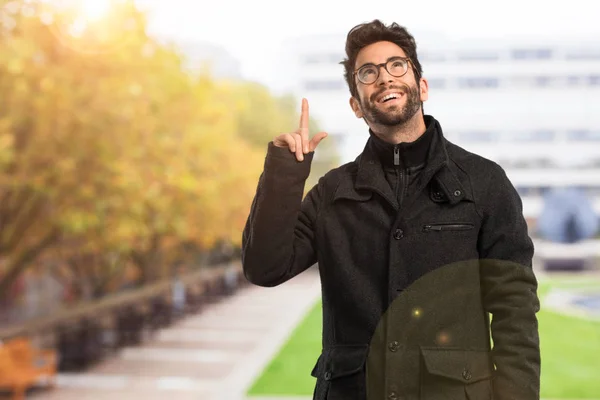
(367, 74)
(397, 67)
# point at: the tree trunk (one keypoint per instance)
(24, 260)
(147, 261)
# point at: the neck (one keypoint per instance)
(407, 132)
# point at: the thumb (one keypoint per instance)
(316, 140)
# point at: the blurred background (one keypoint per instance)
(132, 136)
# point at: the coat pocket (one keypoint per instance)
(456, 374)
(457, 226)
(340, 373)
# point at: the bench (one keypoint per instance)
(22, 366)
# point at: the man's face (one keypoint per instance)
(372, 103)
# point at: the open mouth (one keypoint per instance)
(390, 97)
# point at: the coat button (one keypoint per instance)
(398, 234)
(457, 193)
(437, 196)
(393, 346)
(466, 374)
(327, 375)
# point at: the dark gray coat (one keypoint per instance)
(416, 283)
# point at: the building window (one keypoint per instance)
(543, 81)
(583, 135)
(432, 57)
(583, 54)
(478, 136)
(324, 85)
(590, 80)
(574, 80)
(534, 136)
(532, 54)
(479, 82)
(437, 83)
(594, 80)
(528, 191)
(478, 57)
(323, 58)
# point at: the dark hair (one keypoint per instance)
(376, 31)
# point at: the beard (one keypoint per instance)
(394, 115)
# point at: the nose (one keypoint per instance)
(384, 77)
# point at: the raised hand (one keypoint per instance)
(298, 141)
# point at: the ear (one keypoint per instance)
(423, 89)
(355, 105)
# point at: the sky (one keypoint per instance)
(253, 30)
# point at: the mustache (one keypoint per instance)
(404, 88)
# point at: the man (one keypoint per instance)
(417, 240)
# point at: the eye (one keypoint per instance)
(397, 67)
(367, 72)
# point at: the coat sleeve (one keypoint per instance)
(509, 291)
(278, 239)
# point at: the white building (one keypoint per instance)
(201, 56)
(529, 104)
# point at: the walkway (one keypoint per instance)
(215, 355)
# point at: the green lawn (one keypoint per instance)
(289, 372)
(570, 350)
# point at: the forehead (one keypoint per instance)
(378, 52)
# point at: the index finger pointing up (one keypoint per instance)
(304, 115)
(304, 125)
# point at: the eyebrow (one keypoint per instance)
(391, 58)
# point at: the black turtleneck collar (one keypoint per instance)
(407, 155)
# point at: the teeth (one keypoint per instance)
(389, 96)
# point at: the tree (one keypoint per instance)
(112, 153)
(67, 128)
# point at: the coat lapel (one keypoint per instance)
(370, 176)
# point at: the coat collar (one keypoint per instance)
(370, 176)
(402, 155)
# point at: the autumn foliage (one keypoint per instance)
(114, 156)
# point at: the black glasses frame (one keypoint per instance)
(384, 65)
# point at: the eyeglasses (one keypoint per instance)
(369, 73)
